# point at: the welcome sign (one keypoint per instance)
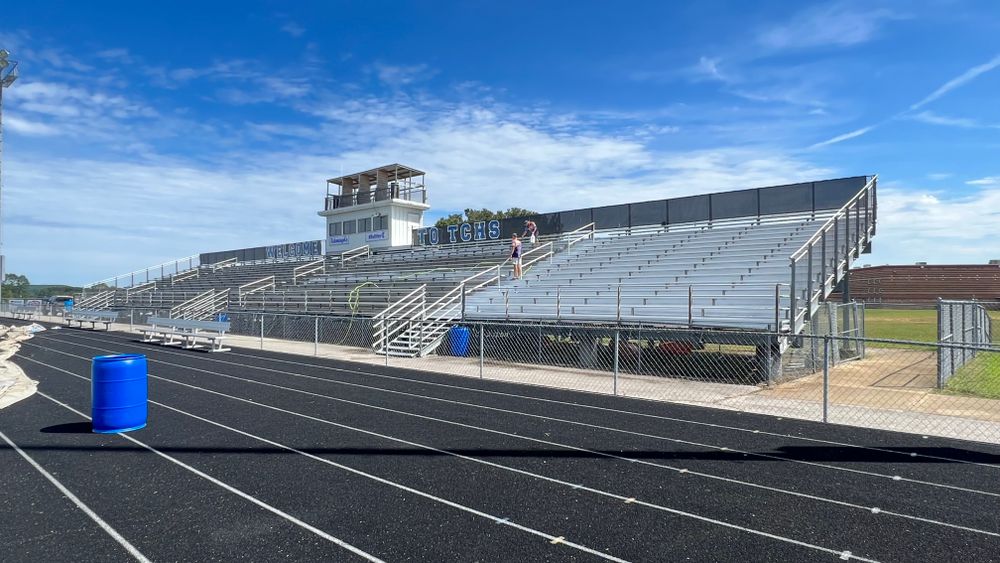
(295, 249)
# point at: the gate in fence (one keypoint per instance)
(967, 324)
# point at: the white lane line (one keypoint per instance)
(131, 549)
(522, 413)
(483, 462)
(230, 488)
(680, 471)
(554, 401)
(462, 507)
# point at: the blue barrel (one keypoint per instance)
(118, 393)
(458, 341)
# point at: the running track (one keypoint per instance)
(262, 456)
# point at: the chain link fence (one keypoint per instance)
(892, 384)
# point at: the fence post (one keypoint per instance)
(619, 313)
(131, 313)
(463, 302)
(316, 336)
(690, 306)
(482, 352)
(826, 378)
(617, 341)
(262, 331)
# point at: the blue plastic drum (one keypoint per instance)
(458, 341)
(118, 393)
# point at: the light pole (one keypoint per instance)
(8, 74)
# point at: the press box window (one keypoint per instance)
(380, 223)
(335, 229)
(364, 225)
(350, 227)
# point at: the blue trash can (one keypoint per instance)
(118, 393)
(458, 341)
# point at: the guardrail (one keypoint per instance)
(850, 228)
(308, 269)
(216, 266)
(349, 255)
(254, 287)
(101, 300)
(144, 275)
(185, 275)
(139, 289)
(183, 310)
(396, 318)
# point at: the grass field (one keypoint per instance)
(980, 377)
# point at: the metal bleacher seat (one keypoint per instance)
(733, 274)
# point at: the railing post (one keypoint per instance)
(826, 378)
(777, 308)
(463, 302)
(823, 267)
(809, 283)
(690, 306)
(793, 300)
(619, 305)
(557, 301)
(617, 342)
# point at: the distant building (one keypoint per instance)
(924, 283)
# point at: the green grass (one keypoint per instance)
(917, 325)
(980, 377)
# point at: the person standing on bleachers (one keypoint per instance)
(530, 228)
(515, 255)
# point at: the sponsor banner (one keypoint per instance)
(466, 232)
(16, 301)
(33, 303)
(338, 241)
(276, 251)
(376, 236)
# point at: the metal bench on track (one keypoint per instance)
(186, 333)
(91, 316)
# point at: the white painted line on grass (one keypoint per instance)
(131, 549)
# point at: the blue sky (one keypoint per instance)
(142, 132)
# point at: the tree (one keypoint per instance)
(475, 215)
(16, 286)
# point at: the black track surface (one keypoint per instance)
(711, 485)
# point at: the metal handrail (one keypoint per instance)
(141, 288)
(349, 255)
(828, 277)
(840, 213)
(181, 308)
(185, 275)
(113, 280)
(224, 263)
(307, 269)
(255, 286)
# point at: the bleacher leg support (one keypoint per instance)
(826, 378)
(617, 342)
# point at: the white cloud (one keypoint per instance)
(939, 176)
(935, 119)
(127, 215)
(959, 81)
(27, 127)
(846, 136)
(293, 29)
(401, 75)
(831, 25)
(951, 229)
(987, 181)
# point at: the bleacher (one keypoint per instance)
(724, 274)
(370, 283)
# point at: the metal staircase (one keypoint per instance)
(411, 327)
(102, 300)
